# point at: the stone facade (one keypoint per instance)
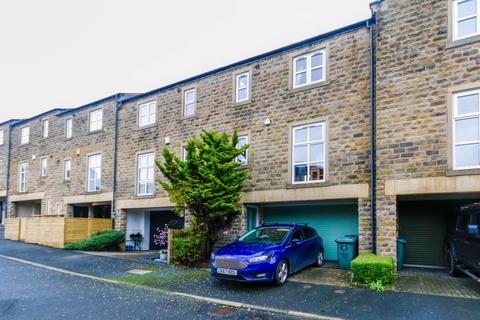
(53, 193)
(342, 101)
(418, 67)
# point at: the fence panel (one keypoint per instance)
(12, 229)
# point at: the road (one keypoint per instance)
(28, 292)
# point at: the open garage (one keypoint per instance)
(425, 223)
(331, 220)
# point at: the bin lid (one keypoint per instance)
(400, 240)
(346, 240)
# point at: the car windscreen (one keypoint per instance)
(266, 235)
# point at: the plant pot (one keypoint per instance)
(163, 254)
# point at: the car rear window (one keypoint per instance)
(309, 233)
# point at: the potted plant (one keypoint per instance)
(161, 239)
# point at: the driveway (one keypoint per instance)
(323, 300)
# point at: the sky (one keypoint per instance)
(65, 53)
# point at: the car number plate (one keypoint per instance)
(229, 272)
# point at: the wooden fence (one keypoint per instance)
(53, 231)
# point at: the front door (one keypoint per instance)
(158, 222)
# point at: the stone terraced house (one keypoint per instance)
(410, 75)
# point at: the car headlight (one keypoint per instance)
(261, 258)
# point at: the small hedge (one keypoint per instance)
(373, 271)
(107, 240)
(186, 251)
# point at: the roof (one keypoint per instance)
(20, 122)
(10, 122)
(120, 96)
(306, 42)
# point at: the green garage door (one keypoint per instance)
(426, 225)
(330, 221)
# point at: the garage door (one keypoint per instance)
(330, 221)
(426, 225)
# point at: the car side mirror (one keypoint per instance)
(472, 230)
(295, 241)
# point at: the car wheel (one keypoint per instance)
(320, 259)
(281, 273)
(452, 264)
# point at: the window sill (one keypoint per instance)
(465, 172)
(307, 185)
(242, 103)
(310, 86)
(463, 42)
(95, 131)
(146, 196)
(192, 116)
(149, 126)
(94, 192)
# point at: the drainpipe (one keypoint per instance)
(9, 157)
(370, 25)
(114, 213)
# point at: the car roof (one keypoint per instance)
(289, 225)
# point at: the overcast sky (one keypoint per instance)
(65, 53)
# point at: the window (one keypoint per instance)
(146, 114)
(43, 167)
(309, 69)
(94, 172)
(243, 158)
(297, 235)
(184, 154)
(96, 120)
(68, 128)
(45, 128)
(189, 103)
(242, 87)
(466, 16)
(67, 167)
(22, 177)
(24, 135)
(466, 130)
(309, 233)
(308, 153)
(145, 174)
(59, 208)
(1, 137)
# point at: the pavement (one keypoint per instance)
(28, 292)
(320, 299)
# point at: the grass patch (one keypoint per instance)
(155, 280)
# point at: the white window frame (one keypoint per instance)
(187, 103)
(24, 135)
(43, 166)
(49, 205)
(68, 128)
(238, 87)
(141, 183)
(67, 169)
(463, 117)
(308, 143)
(2, 136)
(149, 116)
(98, 173)
(184, 154)
(45, 128)
(23, 176)
(456, 20)
(309, 68)
(246, 151)
(59, 209)
(95, 120)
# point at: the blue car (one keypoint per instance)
(268, 253)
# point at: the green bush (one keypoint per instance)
(103, 240)
(187, 250)
(373, 271)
